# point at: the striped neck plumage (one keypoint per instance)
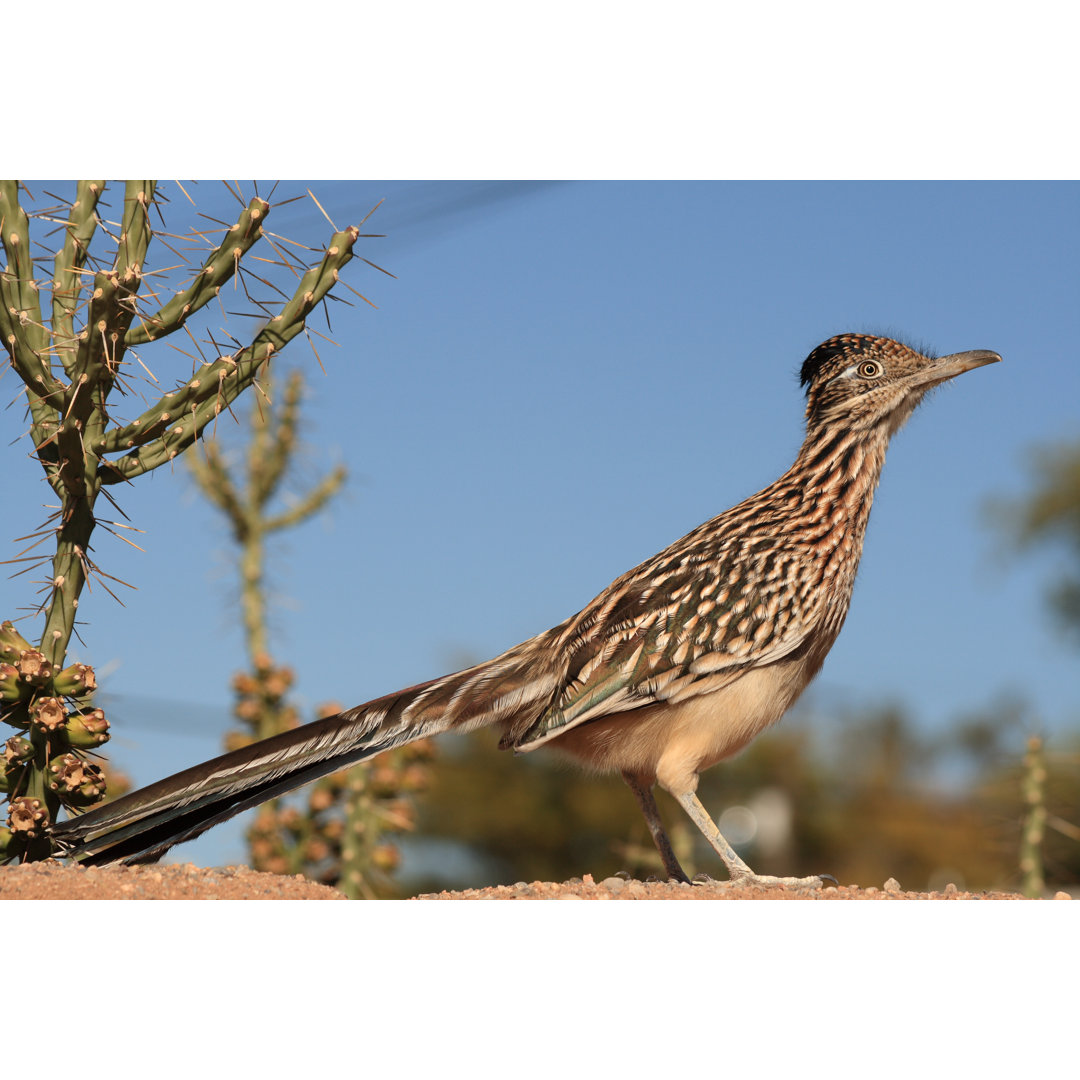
(841, 463)
(832, 482)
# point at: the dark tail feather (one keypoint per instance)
(142, 826)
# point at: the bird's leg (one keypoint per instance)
(740, 873)
(643, 793)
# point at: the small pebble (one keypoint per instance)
(615, 884)
(951, 889)
(1062, 896)
(892, 885)
(869, 888)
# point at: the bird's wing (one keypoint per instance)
(687, 622)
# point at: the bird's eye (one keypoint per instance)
(869, 369)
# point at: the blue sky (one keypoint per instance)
(561, 380)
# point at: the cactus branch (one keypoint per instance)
(21, 328)
(180, 417)
(273, 443)
(218, 268)
(311, 503)
(20, 275)
(67, 268)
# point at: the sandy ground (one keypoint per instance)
(54, 881)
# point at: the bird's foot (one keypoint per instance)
(750, 880)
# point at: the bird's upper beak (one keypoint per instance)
(948, 367)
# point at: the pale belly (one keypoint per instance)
(672, 742)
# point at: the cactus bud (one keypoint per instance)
(415, 777)
(385, 780)
(315, 850)
(18, 753)
(90, 792)
(245, 684)
(77, 782)
(277, 681)
(322, 798)
(18, 750)
(12, 643)
(75, 681)
(277, 865)
(65, 772)
(27, 816)
(48, 714)
(386, 857)
(247, 710)
(33, 667)
(87, 729)
(12, 688)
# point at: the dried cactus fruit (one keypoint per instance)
(12, 643)
(78, 782)
(28, 816)
(48, 714)
(75, 681)
(87, 729)
(18, 750)
(12, 687)
(34, 668)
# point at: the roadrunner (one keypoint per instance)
(675, 666)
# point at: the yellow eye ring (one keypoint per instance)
(869, 369)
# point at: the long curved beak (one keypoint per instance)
(948, 367)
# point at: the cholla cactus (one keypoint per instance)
(247, 505)
(74, 334)
(1033, 829)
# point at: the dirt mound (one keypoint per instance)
(55, 881)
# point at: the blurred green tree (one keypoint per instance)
(1049, 514)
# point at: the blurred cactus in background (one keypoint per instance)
(74, 332)
(1033, 788)
(246, 507)
(343, 835)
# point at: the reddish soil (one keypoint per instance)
(54, 881)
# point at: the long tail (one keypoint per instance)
(142, 826)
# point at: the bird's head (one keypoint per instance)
(860, 381)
